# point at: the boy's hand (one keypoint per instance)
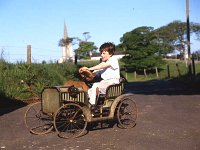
(82, 69)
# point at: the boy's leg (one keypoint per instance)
(103, 86)
(92, 92)
(98, 88)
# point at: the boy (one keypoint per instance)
(108, 69)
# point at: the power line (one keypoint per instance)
(24, 47)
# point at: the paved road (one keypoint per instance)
(169, 119)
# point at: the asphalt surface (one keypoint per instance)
(168, 119)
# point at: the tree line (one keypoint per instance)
(144, 47)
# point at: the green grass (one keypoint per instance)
(163, 72)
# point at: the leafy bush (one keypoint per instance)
(21, 81)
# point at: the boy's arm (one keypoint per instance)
(100, 66)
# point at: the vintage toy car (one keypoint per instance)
(67, 110)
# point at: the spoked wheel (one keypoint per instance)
(127, 113)
(70, 121)
(36, 121)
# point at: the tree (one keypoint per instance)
(196, 55)
(165, 38)
(84, 49)
(86, 35)
(64, 42)
(141, 49)
(173, 36)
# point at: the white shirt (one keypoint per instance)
(112, 72)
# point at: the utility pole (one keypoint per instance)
(28, 54)
(188, 38)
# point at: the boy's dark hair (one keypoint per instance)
(109, 47)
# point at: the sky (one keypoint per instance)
(40, 23)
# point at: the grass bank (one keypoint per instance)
(22, 81)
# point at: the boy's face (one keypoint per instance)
(105, 55)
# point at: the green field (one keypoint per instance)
(177, 69)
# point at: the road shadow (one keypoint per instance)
(8, 105)
(162, 87)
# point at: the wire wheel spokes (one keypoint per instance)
(69, 121)
(127, 113)
(36, 121)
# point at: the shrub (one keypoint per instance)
(22, 81)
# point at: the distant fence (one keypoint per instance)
(168, 72)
